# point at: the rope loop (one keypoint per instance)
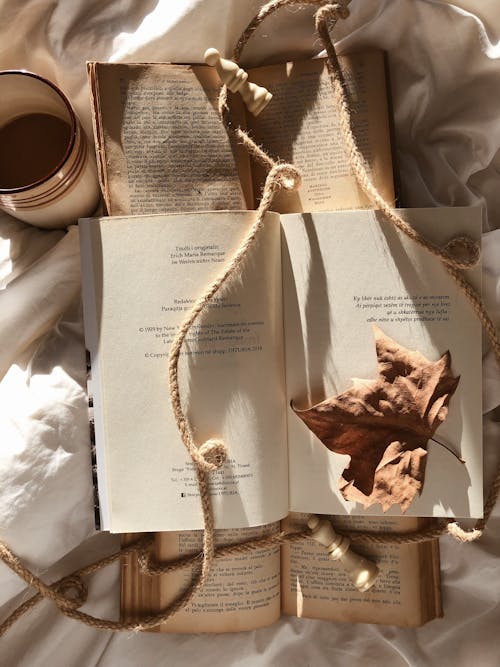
(463, 251)
(285, 176)
(212, 455)
(73, 589)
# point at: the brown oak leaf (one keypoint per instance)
(384, 424)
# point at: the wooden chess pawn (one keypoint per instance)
(362, 571)
(255, 97)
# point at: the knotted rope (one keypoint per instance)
(70, 592)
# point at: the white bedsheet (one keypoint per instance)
(445, 74)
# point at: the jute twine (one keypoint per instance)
(70, 592)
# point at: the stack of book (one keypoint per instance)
(296, 327)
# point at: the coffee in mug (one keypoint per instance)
(47, 170)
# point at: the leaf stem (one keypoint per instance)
(459, 458)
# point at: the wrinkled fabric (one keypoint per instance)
(445, 81)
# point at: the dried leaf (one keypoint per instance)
(384, 424)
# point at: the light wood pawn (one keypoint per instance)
(361, 571)
(255, 97)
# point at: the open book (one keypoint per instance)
(162, 147)
(295, 328)
(251, 590)
(289, 330)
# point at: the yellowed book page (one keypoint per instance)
(242, 592)
(142, 276)
(406, 592)
(301, 126)
(162, 145)
(95, 103)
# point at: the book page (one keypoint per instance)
(301, 126)
(406, 592)
(242, 592)
(161, 145)
(145, 274)
(344, 272)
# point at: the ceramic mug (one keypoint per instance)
(47, 170)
